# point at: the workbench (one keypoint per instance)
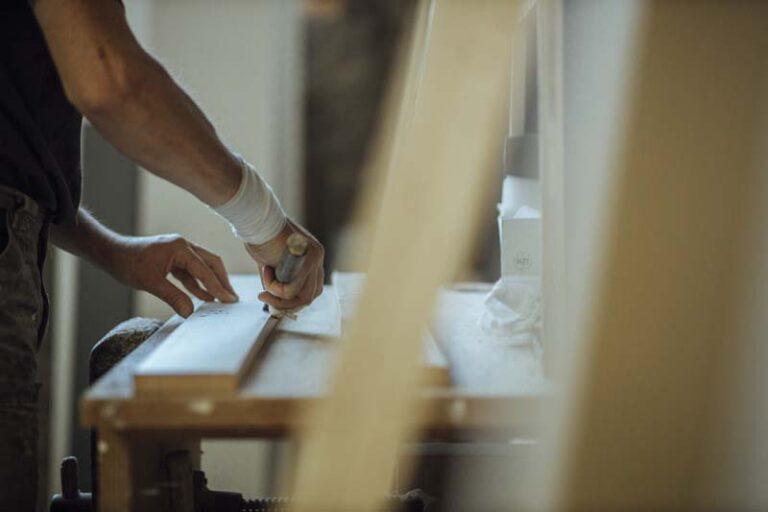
(494, 389)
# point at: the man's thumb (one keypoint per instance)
(171, 295)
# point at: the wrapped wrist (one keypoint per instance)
(254, 212)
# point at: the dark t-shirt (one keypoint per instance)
(39, 128)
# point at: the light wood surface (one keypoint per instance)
(657, 394)
(429, 214)
(348, 287)
(396, 116)
(212, 351)
(491, 386)
(116, 489)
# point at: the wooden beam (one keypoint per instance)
(397, 113)
(209, 353)
(665, 319)
(429, 212)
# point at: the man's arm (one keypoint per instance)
(144, 262)
(132, 100)
(137, 106)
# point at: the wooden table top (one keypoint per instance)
(493, 386)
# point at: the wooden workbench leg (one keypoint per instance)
(132, 469)
(115, 472)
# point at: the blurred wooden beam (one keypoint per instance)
(664, 324)
(393, 128)
(429, 212)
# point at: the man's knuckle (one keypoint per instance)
(181, 242)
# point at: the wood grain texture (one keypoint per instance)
(212, 351)
(429, 211)
(209, 353)
(132, 471)
(322, 318)
(397, 115)
(348, 287)
(666, 320)
(492, 386)
(116, 490)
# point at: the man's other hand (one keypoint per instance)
(145, 262)
(308, 282)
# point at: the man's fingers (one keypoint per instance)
(316, 287)
(174, 297)
(190, 283)
(279, 303)
(307, 294)
(267, 275)
(190, 261)
(312, 289)
(217, 265)
(285, 291)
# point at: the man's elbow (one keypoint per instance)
(105, 91)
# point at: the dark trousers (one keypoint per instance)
(23, 319)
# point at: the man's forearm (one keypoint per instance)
(133, 101)
(144, 263)
(161, 128)
(86, 238)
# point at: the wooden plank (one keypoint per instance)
(322, 318)
(209, 353)
(447, 412)
(212, 350)
(654, 402)
(397, 114)
(436, 369)
(348, 286)
(429, 211)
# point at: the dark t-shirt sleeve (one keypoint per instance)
(39, 128)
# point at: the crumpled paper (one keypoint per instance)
(513, 312)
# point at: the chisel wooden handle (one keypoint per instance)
(295, 251)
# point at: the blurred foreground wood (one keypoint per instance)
(652, 413)
(428, 216)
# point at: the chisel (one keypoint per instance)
(291, 260)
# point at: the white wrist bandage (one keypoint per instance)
(253, 212)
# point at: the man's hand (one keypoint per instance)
(308, 283)
(145, 262)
